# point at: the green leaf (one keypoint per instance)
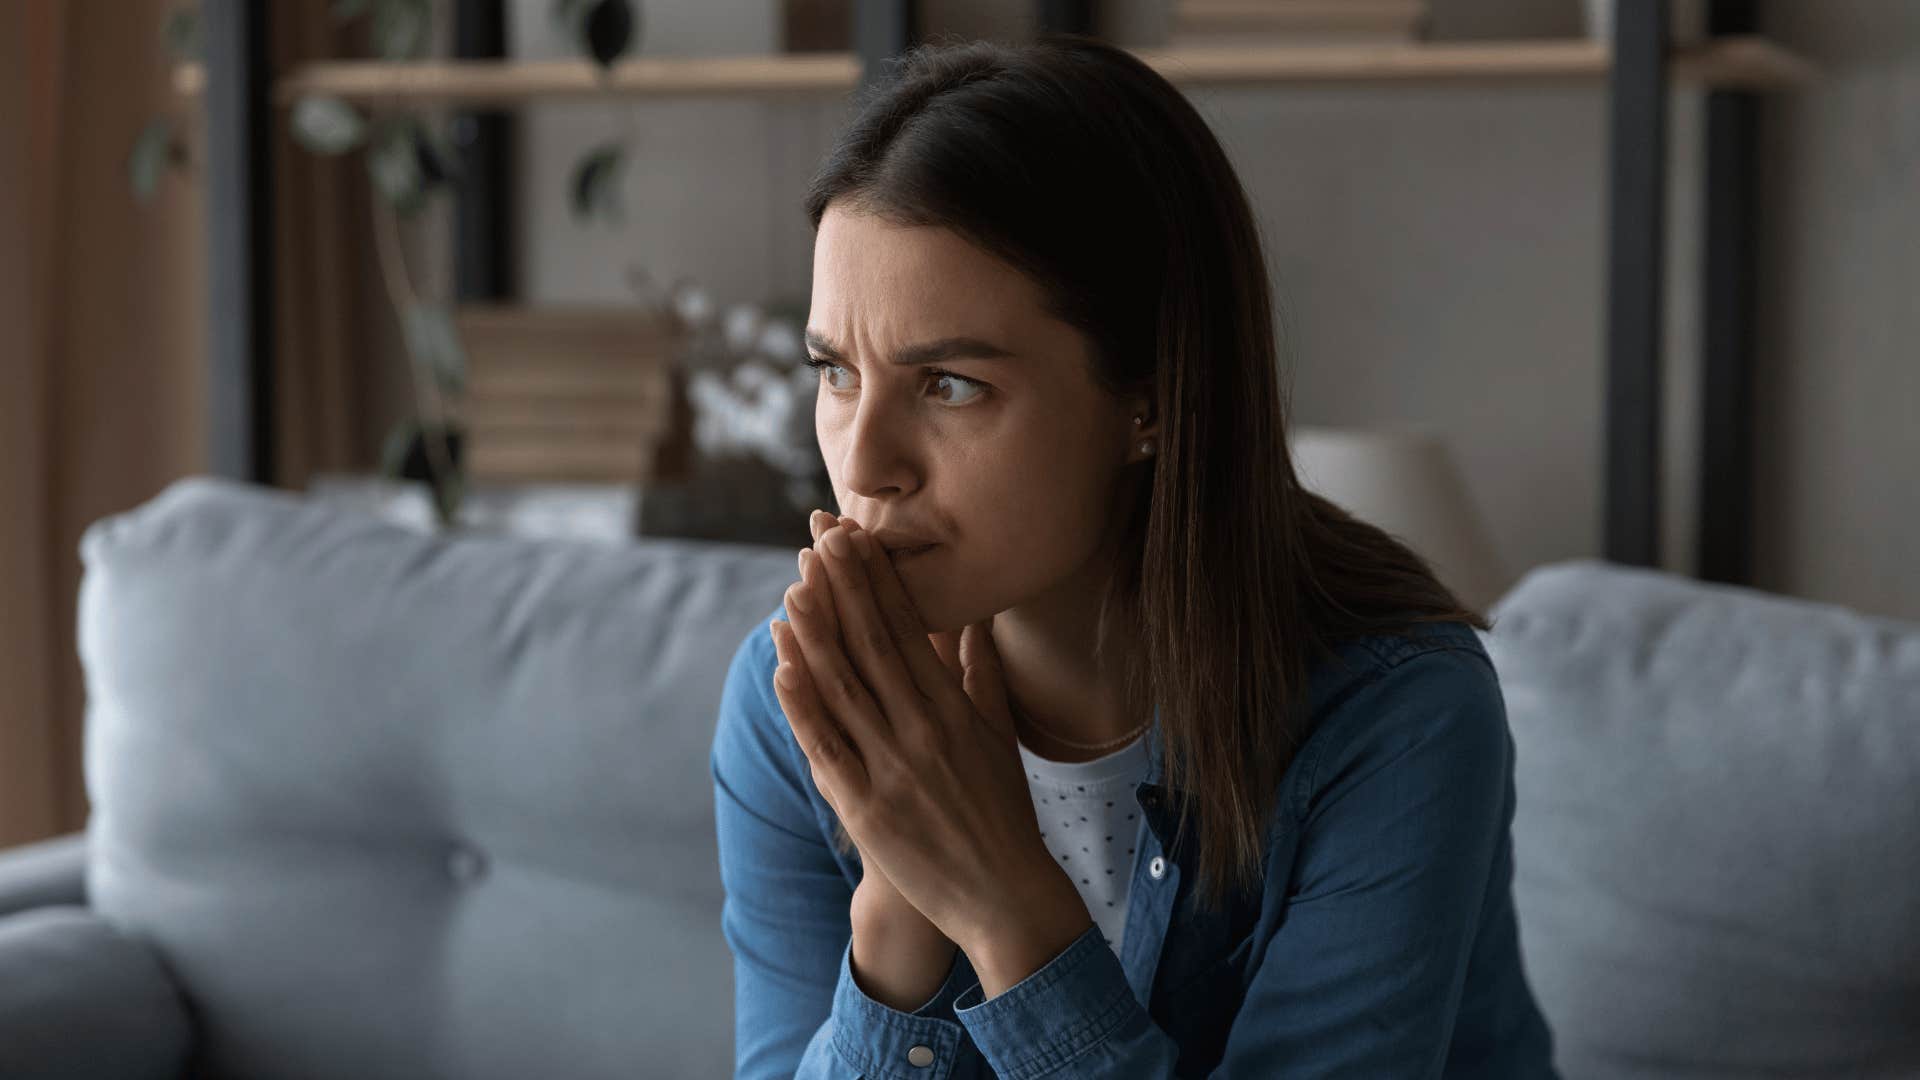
(394, 166)
(400, 28)
(447, 497)
(432, 340)
(148, 161)
(439, 162)
(327, 125)
(596, 183)
(607, 31)
(348, 9)
(182, 31)
(393, 450)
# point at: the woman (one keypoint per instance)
(1088, 743)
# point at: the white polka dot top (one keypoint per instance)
(1091, 823)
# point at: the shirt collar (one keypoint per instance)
(1157, 800)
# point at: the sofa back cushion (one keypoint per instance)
(393, 804)
(1717, 838)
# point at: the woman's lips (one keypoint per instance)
(904, 553)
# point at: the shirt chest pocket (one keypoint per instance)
(1208, 952)
(1230, 969)
(1198, 1010)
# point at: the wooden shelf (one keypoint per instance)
(475, 83)
(1742, 62)
(1745, 62)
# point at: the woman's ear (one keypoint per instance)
(1145, 432)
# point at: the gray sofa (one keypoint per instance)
(372, 803)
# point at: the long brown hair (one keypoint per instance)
(1078, 164)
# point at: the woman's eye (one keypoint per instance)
(950, 389)
(966, 388)
(827, 369)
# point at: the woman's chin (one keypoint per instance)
(936, 612)
(943, 597)
(943, 614)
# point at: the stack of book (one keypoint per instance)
(1204, 23)
(571, 395)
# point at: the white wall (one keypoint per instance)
(1839, 401)
(1439, 255)
(713, 187)
(1439, 259)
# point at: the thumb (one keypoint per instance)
(983, 678)
(946, 644)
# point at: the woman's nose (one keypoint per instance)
(876, 453)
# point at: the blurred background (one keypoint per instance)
(538, 267)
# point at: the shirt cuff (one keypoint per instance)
(1044, 1021)
(880, 1041)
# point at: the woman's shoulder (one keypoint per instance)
(756, 646)
(1424, 656)
(761, 777)
(755, 651)
(750, 715)
(1426, 697)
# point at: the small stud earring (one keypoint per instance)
(1138, 420)
(1146, 447)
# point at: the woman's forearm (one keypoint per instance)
(900, 967)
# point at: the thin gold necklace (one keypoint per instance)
(1049, 733)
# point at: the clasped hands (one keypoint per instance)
(911, 742)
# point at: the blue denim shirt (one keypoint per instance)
(1382, 942)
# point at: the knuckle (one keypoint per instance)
(858, 817)
(891, 789)
(923, 741)
(877, 640)
(824, 784)
(846, 686)
(896, 616)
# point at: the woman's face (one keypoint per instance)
(991, 443)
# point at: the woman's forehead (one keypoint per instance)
(871, 274)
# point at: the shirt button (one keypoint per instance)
(466, 864)
(920, 1055)
(1157, 868)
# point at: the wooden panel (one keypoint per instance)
(570, 394)
(636, 388)
(550, 417)
(534, 462)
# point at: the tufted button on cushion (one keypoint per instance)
(465, 864)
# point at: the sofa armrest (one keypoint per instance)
(43, 874)
(80, 999)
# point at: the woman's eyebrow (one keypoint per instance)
(931, 352)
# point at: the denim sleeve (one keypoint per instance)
(797, 1010)
(1075, 1017)
(1400, 813)
(868, 1039)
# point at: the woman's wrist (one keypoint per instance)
(899, 962)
